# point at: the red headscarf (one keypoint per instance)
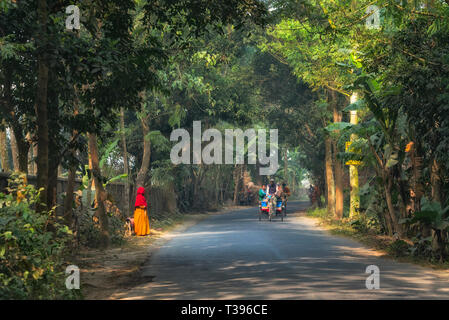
(140, 199)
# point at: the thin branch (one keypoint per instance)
(338, 90)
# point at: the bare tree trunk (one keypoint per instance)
(145, 165)
(41, 103)
(285, 165)
(388, 182)
(125, 162)
(217, 185)
(54, 151)
(16, 127)
(52, 185)
(339, 197)
(259, 179)
(14, 150)
(329, 177)
(89, 194)
(237, 178)
(435, 181)
(30, 155)
(68, 201)
(101, 195)
(22, 148)
(4, 151)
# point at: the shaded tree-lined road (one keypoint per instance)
(234, 256)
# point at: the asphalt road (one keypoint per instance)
(234, 256)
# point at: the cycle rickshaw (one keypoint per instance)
(269, 210)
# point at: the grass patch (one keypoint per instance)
(389, 247)
(317, 213)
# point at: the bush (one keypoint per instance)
(398, 248)
(422, 246)
(366, 223)
(88, 227)
(31, 256)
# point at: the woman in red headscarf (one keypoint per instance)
(141, 222)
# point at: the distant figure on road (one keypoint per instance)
(287, 193)
(310, 194)
(286, 190)
(315, 196)
(141, 221)
(317, 193)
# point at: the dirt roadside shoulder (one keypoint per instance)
(375, 245)
(107, 272)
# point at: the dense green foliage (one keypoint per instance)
(32, 257)
(99, 104)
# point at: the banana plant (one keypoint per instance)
(434, 216)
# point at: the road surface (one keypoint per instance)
(234, 256)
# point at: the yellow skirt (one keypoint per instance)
(141, 222)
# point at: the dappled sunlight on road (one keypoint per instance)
(234, 256)
(354, 251)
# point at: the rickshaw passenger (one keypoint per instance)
(279, 193)
(262, 194)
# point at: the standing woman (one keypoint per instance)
(141, 222)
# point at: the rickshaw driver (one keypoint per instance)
(271, 194)
(272, 187)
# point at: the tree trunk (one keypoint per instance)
(30, 155)
(237, 178)
(41, 103)
(259, 178)
(339, 197)
(52, 184)
(388, 185)
(217, 185)
(145, 165)
(435, 181)
(329, 177)
(285, 166)
(100, 192)
(54, 151)
(68, 201)
(354, 171)
(4, 161)
(14, 150)
(125, 163)
(22, 148)
(16, 132)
